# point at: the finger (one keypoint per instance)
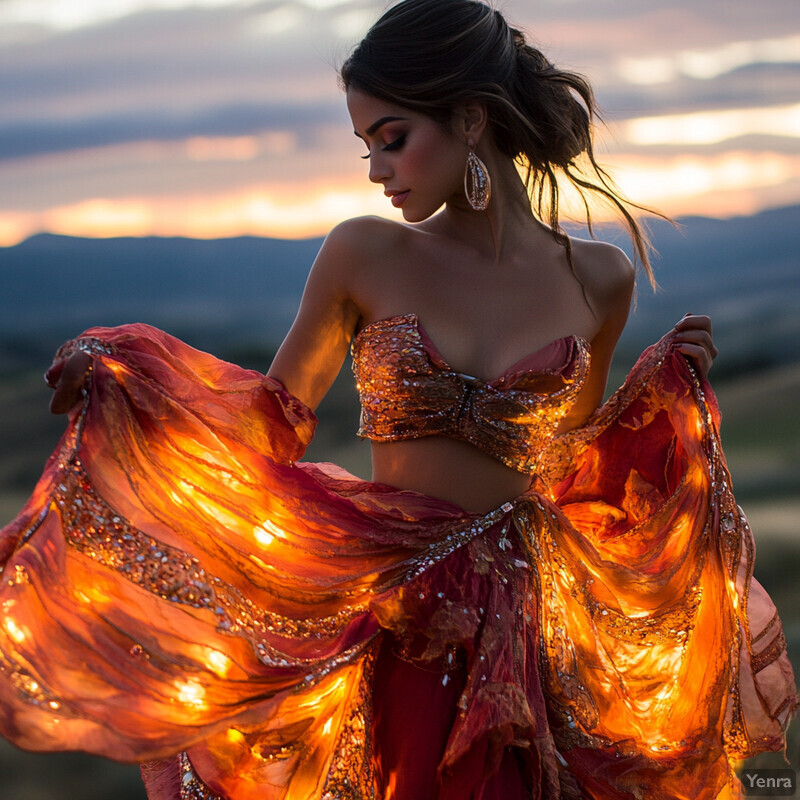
(695, 335)
(62, 401)
(694, 321)
(699, 337)
(53, 374)
(698, 355)
(76, 367)
(64, 398)
(70, 383)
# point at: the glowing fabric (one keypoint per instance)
(177, 582)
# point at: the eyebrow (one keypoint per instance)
(379, 124)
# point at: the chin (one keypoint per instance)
(417, 215)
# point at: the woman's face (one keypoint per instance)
(419, 163)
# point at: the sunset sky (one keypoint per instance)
(216, 118)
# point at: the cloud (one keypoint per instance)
(199, 165)
(634, 28)
(709, 63)
(712, 127)
(71, 14)
(173, 59)
(169, 75)
(752, 86)
(24, 139)
(135, 104)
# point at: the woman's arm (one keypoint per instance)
(608, 279)
(315, 347)
(312, 353)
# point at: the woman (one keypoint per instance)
(536, 597)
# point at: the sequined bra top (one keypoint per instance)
(408, 390)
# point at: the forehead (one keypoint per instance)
(365, 109)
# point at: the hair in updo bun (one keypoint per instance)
(430, 55)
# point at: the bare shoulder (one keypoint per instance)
(365, 235)
(607, 274)
(356, 250)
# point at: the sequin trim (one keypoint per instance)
(351, 775)
(85, 344)
(769, 653)
(192, 788)
(93, 528)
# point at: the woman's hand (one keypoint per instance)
(68, 378)
(695, 340)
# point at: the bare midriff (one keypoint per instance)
(447, 469)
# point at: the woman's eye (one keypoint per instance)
(396, 144)
(393, 145)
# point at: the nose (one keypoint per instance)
(378, 168)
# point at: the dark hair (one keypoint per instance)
(429, 55)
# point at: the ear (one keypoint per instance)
(471, 121)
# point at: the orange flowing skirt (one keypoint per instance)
(180, 584)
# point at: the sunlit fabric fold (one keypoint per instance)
(179, 583)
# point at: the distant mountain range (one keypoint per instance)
(238, 293)
(744, 272)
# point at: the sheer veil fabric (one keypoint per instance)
(180, 583)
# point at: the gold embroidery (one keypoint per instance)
(351, 774)
(192, 788)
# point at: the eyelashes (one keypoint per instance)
(396, 144)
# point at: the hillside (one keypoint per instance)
(242, 293)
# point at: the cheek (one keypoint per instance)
(438, 160)
(420, 159)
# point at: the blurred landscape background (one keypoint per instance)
(148, 148)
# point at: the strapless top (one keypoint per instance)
(408, 390)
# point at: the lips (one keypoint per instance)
(398, 198)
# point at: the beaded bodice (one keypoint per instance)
(408, 390)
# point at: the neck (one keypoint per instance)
(498, 230)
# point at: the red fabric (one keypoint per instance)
(178, 582)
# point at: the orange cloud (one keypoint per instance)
(283, 210)
(713, 126)
(729, 183)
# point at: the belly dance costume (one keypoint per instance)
(180, 583)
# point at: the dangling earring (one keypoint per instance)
(477, 183)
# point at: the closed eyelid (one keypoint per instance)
(395, 144)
